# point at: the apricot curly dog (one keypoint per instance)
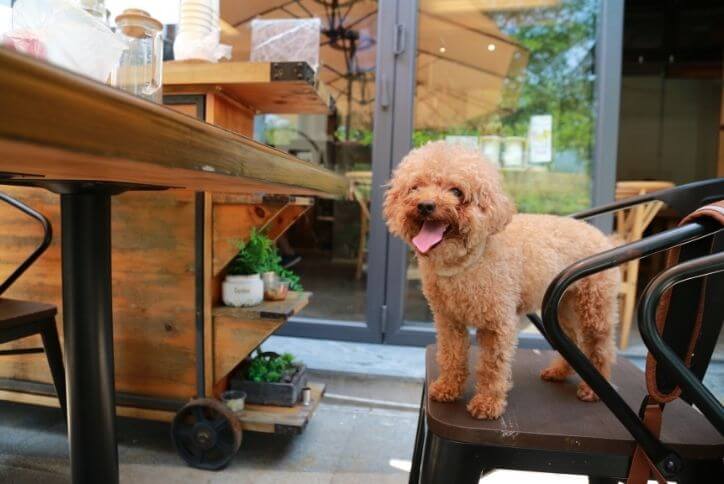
(483, 266)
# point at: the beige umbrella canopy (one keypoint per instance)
(466, 67)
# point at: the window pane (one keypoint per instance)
(515, 80)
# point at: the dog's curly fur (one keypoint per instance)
(491, 267)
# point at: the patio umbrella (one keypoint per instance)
(466, 67)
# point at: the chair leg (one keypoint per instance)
(51, 342)
(703, 471)
(602, 480)
(445, 462)
(419, 442)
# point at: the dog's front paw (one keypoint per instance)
(487, 407)
(585, 393)
(445, 391)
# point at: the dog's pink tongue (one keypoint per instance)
(430, 234)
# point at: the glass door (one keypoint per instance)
(517, 80)
(337, 247)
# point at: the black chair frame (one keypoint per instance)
(682, 199)
(46, 328)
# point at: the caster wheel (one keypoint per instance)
(206, 434)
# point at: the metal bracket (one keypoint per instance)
(292, 71)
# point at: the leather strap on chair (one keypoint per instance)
(641, 466)
(653, 405)
(713, 212)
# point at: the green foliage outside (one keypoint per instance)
(265, 367)
(258, 255)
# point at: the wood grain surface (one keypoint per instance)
(60, 125)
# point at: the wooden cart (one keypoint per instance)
(175, 344)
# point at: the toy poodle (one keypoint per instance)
(484, 266)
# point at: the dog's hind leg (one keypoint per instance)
(453, 343)
(597, 308)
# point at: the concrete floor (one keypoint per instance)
(344, 443)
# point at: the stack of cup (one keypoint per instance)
(199, 18)
(198, 29)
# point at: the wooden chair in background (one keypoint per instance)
(360, 190)
(630, 225)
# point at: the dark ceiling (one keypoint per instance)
(677, 38)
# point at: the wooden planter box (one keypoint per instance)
(264, 393)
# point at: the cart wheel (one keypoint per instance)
(206, 434)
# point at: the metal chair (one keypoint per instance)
(20, 319)
(546, 429)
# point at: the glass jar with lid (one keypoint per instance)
(139, 70)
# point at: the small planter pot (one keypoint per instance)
(285, 394)
(234, 399)
(241, 291)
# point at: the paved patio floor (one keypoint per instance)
(344, 443)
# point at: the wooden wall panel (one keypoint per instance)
(153, 287)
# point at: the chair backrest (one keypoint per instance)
(682, 199)
(680, 316)
(695, 235)
(42, 247)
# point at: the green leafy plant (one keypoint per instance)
(258, 255)
(270, 367)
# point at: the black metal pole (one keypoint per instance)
(88, 328)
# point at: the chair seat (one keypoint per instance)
(548, 416)
(14, 312)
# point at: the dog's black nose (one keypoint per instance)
(425, 208)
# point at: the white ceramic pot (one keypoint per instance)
(242, 290)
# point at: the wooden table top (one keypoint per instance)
(62, 126)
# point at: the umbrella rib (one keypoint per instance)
(303, 7)
(362, 19)
(505, 40)
(464, 64)
(284, 9)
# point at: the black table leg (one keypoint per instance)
(88, 328)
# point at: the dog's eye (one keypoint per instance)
(413, 189)
(457, 192)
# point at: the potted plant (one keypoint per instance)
(243, 285)
(271, 379)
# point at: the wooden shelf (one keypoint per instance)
(295, 302)
(273, 419)
(264, 87)
(237, 331)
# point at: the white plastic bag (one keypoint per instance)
(286, 40)
(189, 47)
(72, 38)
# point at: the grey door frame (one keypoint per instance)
(371, 331)
(609, 42)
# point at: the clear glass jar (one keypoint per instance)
(139, 70)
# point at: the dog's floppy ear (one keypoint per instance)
(496, 204)
(393, 193)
